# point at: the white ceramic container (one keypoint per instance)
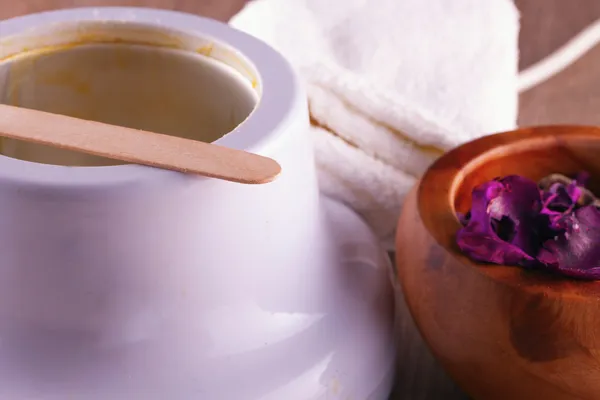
(128, 282)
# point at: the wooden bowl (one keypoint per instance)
(501, 332)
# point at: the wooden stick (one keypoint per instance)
(136, 146)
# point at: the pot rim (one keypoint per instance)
(280, 97)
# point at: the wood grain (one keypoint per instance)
(546, 25)
(501, 332)
(572, 96)
(218, 9)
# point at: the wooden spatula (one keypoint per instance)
(136, 146)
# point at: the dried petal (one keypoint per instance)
(554, 225)
(576, 251)
(498, 229)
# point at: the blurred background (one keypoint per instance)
(573, 96)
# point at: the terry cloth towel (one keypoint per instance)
(392, 84)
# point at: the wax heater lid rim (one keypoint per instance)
(282, 96)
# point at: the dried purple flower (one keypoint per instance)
(553, 226)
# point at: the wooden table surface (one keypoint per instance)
(572, 96)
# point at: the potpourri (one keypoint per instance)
(552, 225)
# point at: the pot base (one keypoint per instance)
(344, 353)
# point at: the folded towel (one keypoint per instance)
(392, 84)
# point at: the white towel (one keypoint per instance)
(392, 84)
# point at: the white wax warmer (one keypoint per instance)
(126, 282)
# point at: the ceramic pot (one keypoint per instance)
(130, 282)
